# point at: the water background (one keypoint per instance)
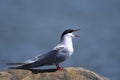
(29, 28)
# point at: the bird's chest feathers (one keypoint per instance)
(67, 46)
(70, 49)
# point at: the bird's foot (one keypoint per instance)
(60, 68)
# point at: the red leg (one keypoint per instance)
(58, 67)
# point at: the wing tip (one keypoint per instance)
(14, 63)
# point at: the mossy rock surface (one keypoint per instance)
(71, 73)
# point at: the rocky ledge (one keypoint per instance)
(71, 73)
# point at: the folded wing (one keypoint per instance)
(40, 60)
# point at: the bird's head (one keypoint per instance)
(69, 33)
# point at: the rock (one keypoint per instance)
(72, 73)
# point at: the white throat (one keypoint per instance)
(67, 42)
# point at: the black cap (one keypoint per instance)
(68, 31)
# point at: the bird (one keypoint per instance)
(57, 55)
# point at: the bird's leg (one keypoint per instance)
(58, 67)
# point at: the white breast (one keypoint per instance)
(66, 42)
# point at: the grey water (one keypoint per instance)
(29, 28)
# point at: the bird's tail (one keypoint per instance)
(14, 63)
(20, 65)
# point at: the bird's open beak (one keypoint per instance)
(76, 30)
(76, 34)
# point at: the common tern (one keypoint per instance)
(57, 55)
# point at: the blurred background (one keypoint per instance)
(32, 27)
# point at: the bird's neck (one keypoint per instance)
(67, 42)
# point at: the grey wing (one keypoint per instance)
(37, 58)
(44, 57)
(49, 58)
(56, 56)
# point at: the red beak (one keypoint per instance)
(75, 31)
